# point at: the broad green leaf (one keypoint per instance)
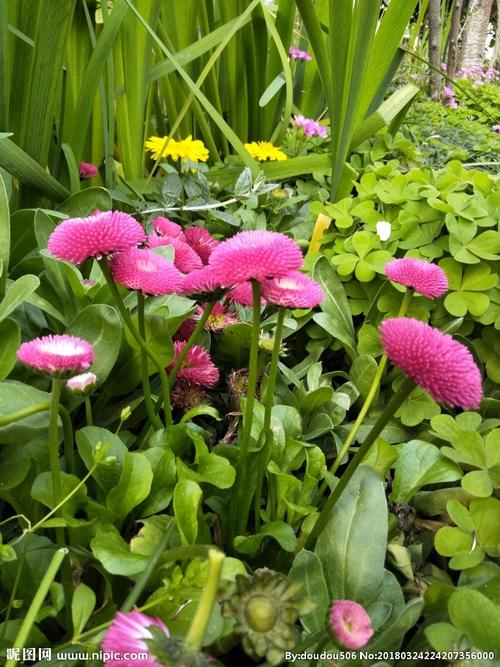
(476, 616)
(307, 570)
(10, 337)
(83, 203)
(133, 486)
(16, 396)
(353, 544)
(114, 553)
(278, 530)
(187, 499)
(16, 293)
(89, 439)
(82, 606)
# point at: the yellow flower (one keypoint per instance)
(264, 150)
(189, 149)
(159, 147)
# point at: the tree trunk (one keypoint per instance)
(454, 32)
(495, 56)
(434, 15)
(475, 33)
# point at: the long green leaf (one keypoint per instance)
(4, 68)
(41, 103)
(18, 163)
(317, 41)
(4, 236)
(209, 108)
(77, 134)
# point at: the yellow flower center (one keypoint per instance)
(260, 613)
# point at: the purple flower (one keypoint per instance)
(311, 127)
(297, 54)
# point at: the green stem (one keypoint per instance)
(36, 603)
(69, 457)
(265, 454)
(24, 412)
(138, 339)
(145, 575)
(190, 342)
(405, 303)
(397, 399)
(148, 401)
(88, 411)
(240, 512)
(196, 632)
(53, 439)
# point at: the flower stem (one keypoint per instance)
(240, 513)
(69, 457)
(138, 339)
(196, 632)
(397, 399)
(53, 440)
(30, 618)
(405, 303)
(190, 342)
(88, 411)
(265, 454)
(148, 401)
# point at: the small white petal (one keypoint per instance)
(384, 230)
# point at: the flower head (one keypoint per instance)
(187, 396)
(448, 92)
(205, 283)
(87, 170)
(77, 239)
(127, 634)
(160, 146)
(297, 54)
(185, 258)
(295, 290)
(168, 227)
(220, 317)
(311, 127)
(434, 360)
(197, 367)
(82, 384)
(242, 293)
(257, 255)
(424, 277)
(383, 230)
(190, 149)
(265, 150)
(350, 623)
(200, 241)
(144, 270)
(57, 355)
(495, 128)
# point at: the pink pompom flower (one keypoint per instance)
(351, 624)
(198, 367)
(167, 227)
(257, 255)
(203, 283)
(87, 170)
(57, 355)
(141, 269)
(77, 239)
(127, 634)
(294, 290)
(201, 241)
(82, 384)
(424, 277)
(242, 294)
(297, 54)
(434, 360)
(185, 258)
(220, 317)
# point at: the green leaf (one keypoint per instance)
(362, 373)
(10, 337)
(187, 501)
(278, 530)
(89, 439)
(353, 544)
(16, 293)
(42, 491)
(273, 89)
(478, 483)
(114, 554)
(476, 616)
(4, 235)
(133, 486)
(82, 606)
(307, 570)
(419, 464)
(16, 396)
(83, 203)
(101, 326)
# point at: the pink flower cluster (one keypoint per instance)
(58, 356)
(449, 97)
(297, 54)
(479, 74)
(310, 127)
(127, 635)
